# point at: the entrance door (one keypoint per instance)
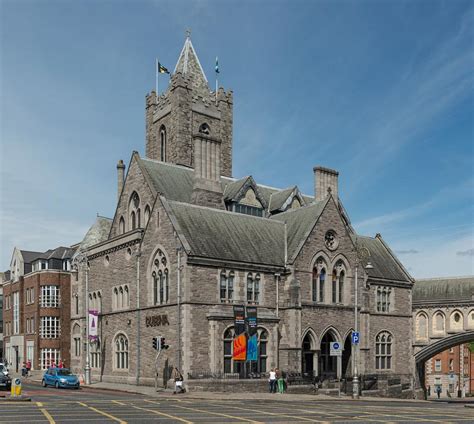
(308, 356)
(346, 357)
(327, 363)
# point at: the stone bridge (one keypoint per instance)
(443, 317)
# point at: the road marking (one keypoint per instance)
(247, 420)
(163, 414)
(48, 416)
(103, 413)
(261, 411)
(39, 404)
(119, 403)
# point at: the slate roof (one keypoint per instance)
(29, 256)
(58, 253)
(299, 224)
(444, 289)
(97, 233)
(385, 264)
(228, 236)
(278, 198)
(175, 182)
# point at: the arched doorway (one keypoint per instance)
(346, 357)
(327, 363)
(308, 355)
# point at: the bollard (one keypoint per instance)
(17, 387)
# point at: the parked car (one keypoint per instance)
(5, 381)
(60, 377)
(3, 369)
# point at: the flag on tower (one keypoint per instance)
(162, 69)
(217, 66)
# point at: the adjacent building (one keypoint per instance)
(37, 308)
(188, 241)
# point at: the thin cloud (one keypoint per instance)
(468, 252)
(407, 252)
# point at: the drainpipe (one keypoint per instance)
(138, 254)
(179, 308)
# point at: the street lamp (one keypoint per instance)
(81, 259)
(355, 380)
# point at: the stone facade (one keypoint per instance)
(174, 266)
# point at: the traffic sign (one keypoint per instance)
(355, 337)
(335, 349)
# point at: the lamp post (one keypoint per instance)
(81, 259)
(355, 381)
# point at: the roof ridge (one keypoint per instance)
(444, 278)
(302, 207)
(174, 165)
(171, 202)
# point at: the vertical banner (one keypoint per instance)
(240, 348)
(93, 325)
(239, 319)
(252, 332)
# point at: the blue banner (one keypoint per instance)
(252, 348)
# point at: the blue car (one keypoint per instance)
(60, 377)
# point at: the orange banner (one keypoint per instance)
(240, 348)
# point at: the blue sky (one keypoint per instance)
(380, 90)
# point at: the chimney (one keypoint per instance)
(120, 177)
(324, 179)
(207, 189)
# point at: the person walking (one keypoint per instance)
(438, 391)
(23, 369)
(178, 381)
(272, 381)
(281, 381)
(28, 368)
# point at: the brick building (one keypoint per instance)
(37, 308)
(188, 241)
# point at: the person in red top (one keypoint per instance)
(28, 367)
(61, 365)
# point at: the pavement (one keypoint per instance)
(96, 405)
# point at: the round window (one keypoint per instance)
(457, 317)
(331, 240)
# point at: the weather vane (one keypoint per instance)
(188, 33)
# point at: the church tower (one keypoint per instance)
(189, 116)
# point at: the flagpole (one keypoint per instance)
(156, 82)
(217, 71)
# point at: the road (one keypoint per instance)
(50, 405)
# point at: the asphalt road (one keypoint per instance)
(102, 406)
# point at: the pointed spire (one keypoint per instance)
(188, 64)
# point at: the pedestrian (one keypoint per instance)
(28, 367)
(61, 365)
(23, 369)
(272, 381)
(178, 381)
(280, 381)
(438, 391)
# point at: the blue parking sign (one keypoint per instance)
(355, 337)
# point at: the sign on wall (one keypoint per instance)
(156, 320)
(335, 349)
(239, 319)
(240, 348)
(93, 325)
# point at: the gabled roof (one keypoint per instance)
(29, 256)
(228, 236)
(384, 262)
(280, 200)
(188, 64)
(236, 190)
(444, 289)
(300, 222)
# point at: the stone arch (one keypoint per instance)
(163, 143)
(438, 322)
(421, 326)
(320, 277)
(309, 356)
(315, 342)
(149, 272)
(76, 329)
(470, 319)
(329, 366)
(456, 320)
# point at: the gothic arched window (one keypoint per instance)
(383, 351)
(163, 143)
(253, 288)
(147, 214)
(121, 225)
(121, 351)
(134, 211)
(319, 279)
(159, 275)
(438, 322)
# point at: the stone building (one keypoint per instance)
(188, 241)
(37, 308)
